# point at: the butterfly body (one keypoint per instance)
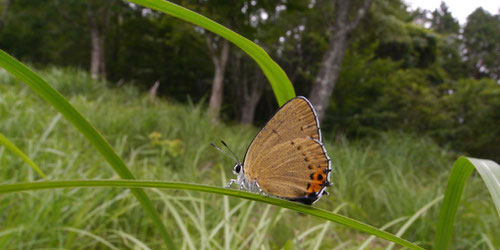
(287, 158)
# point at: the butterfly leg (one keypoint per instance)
(228, 185)
(260, 190)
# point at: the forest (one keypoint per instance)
(400, 93)
(394, 69)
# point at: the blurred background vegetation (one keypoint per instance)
(412, 91)
(415, 71)
(380, 180)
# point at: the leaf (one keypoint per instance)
(14, 149)
(462, 168)
(305, 209)
(281, 85)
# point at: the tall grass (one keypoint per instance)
(376, 180)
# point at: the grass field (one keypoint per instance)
(382, 181)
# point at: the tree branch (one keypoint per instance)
(361, 13)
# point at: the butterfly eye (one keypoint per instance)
(237, 169)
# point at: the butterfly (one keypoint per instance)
(287, 158)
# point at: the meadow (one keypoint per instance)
(393, 181)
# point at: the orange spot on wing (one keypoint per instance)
(318, 180)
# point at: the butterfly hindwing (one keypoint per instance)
(293, 169)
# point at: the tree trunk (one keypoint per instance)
(4, 14)
(98, 17)
(328, 73)
(332, 60)
(250, 100)
(220, 61)
(97, 53)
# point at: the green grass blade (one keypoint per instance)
(490, 172)
(138, 244)
(384, 227)
(462, 168)
(45, 90)
(305, 209)
(90, 235)
(413, 218)
(14, 149)
(281, 85)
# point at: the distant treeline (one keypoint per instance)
(387, 68)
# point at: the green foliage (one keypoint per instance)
(392, 59)
(282, 87)
(481, 36)
(40, 31)
(10, 146)
(455, 113)
(375, 180)
(443, 22)
(396, 76)
(413, 79)
(302, 208)
(474, 110)
(462, 169)
(47, 92)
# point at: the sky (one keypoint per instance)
(460, 9)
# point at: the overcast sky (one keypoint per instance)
(460, 9)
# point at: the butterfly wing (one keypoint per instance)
(287, 158)
(295, 119)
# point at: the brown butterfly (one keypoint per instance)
(287, 158)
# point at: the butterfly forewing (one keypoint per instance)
(296, 119)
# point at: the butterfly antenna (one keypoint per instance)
(224, 152)
(236, 157)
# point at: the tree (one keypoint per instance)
(219, 52)
(448, 28)
(482, 47)
(5, 10)
(217, 47)
(332, 60)
(255, 20)
(99, 14)
(250, 85)
(265, 23)
(443, 22)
